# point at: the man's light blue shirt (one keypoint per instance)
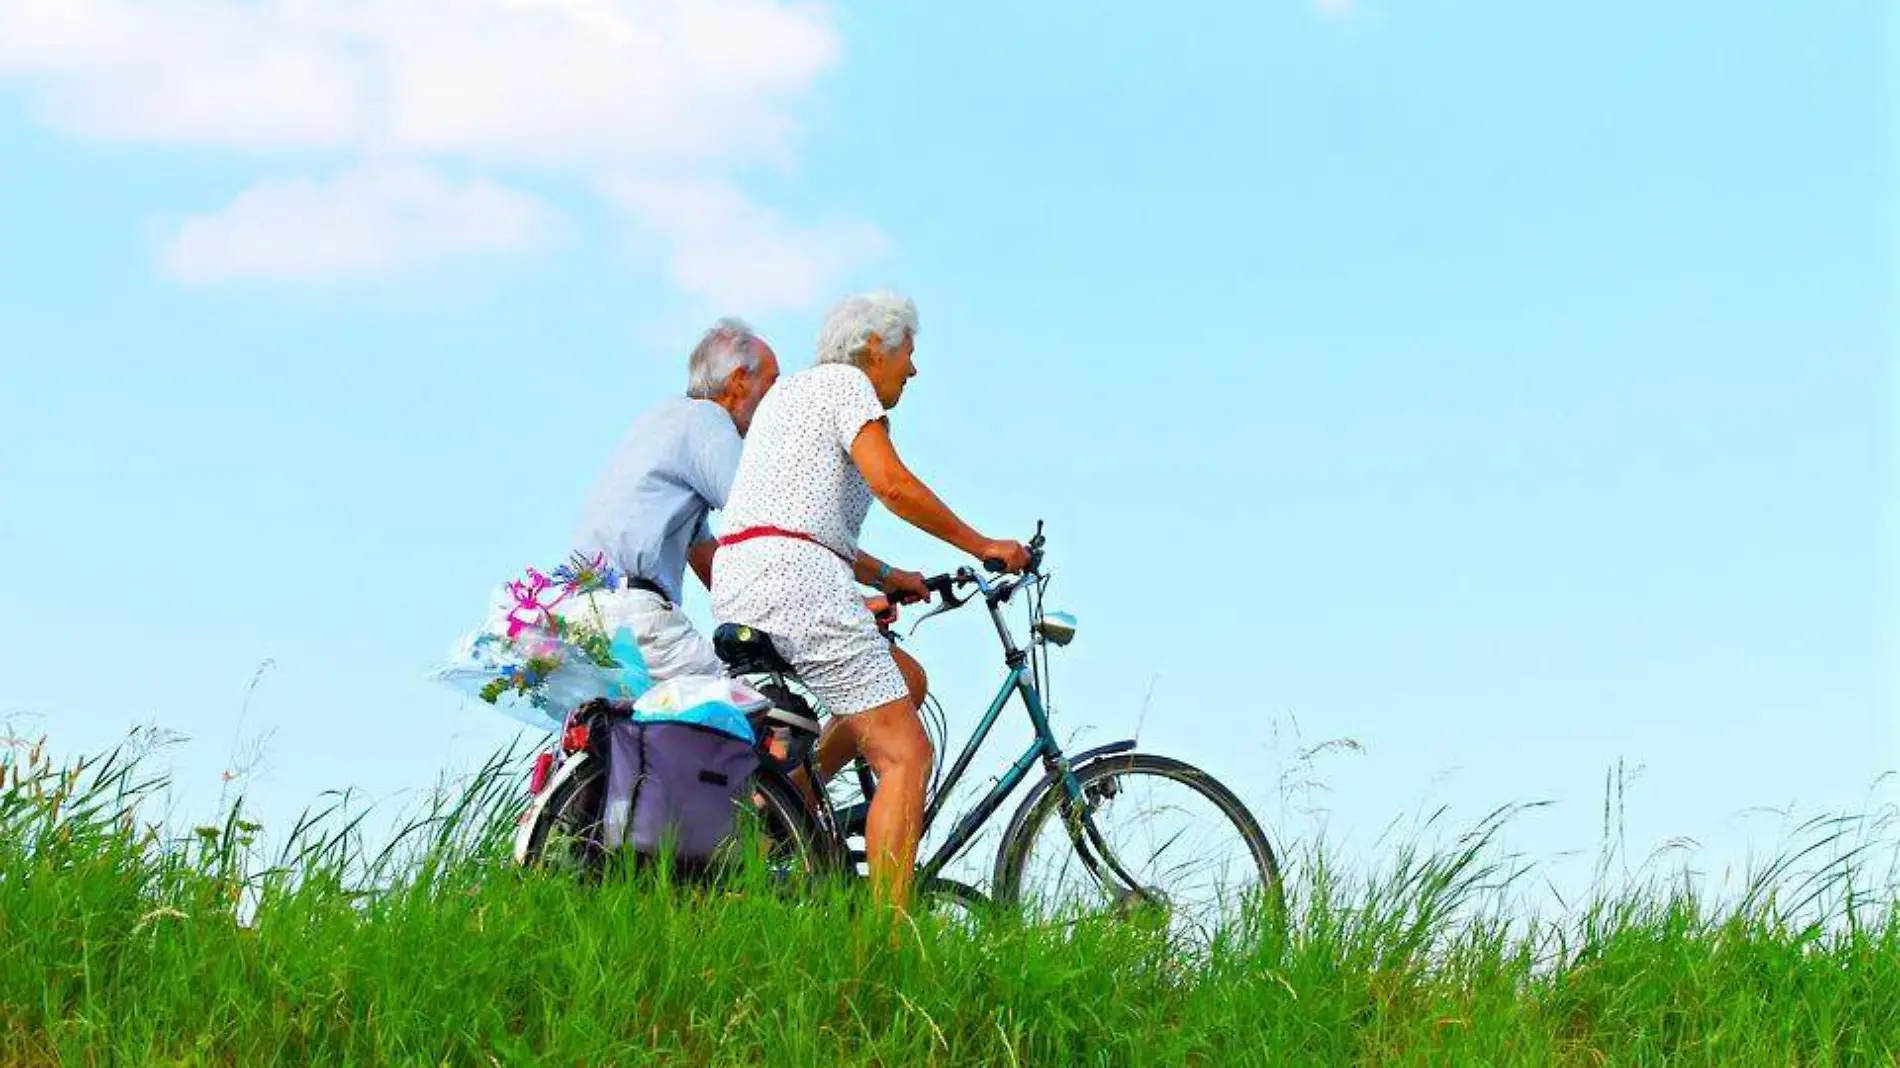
(650, 504)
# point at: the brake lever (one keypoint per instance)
(945, 587)
(942, 607)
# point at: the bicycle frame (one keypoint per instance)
(1024, 681)
(1044, 747)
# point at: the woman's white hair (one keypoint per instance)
(852, 323)
(727, 346)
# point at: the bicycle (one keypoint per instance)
(812, 839)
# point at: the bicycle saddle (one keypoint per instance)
(748, 650)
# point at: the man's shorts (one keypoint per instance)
(668, 641)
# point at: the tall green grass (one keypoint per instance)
(126, 945)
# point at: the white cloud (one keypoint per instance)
(1357, 16)
(736, 253)
(552, 81)
(578, 88)
(369, 223)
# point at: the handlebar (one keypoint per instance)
(997, 566)
(946, 586)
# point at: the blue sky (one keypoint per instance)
(1508, 389)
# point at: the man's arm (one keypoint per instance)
(699, 556)
(713, 459)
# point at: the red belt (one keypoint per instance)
(749, 533)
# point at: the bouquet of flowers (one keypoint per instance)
(535, 663)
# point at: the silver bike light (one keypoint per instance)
(1056, 628)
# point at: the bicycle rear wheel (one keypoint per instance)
(772, 827)
(1194, 854)
(566, 837)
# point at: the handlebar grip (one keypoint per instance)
(992, 564)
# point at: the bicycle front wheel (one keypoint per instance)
(1152, 837)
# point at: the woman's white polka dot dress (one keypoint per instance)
(796, 474)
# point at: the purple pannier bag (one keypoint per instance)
(675, 781)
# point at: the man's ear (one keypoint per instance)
(735, 384)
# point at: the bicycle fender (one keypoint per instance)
(524, 828)
(1042, 787)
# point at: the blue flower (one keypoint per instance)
(584, 575)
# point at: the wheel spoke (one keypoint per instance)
(1195, 856)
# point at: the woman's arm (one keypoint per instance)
(904, 493)
(906, 586)
(912, 501)
(867, 569)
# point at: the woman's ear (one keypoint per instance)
(874, 356)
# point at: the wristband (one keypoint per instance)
(883, 573)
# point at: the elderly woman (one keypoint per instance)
(818, 451)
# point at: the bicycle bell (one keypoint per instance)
(1056, 628)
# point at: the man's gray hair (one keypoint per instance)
(728, 345)
(852, 323)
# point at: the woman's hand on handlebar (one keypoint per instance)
(906, 587)
(1004, 555)
(900, 587)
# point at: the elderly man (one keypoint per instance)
(789, 563)
(647, 510)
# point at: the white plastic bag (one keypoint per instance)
(535, 665)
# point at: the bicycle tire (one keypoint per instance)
(971, 900)
(1013, 854)
(793, 822)
(575, 808)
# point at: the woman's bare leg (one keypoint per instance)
(893, 742)
(836, 747)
